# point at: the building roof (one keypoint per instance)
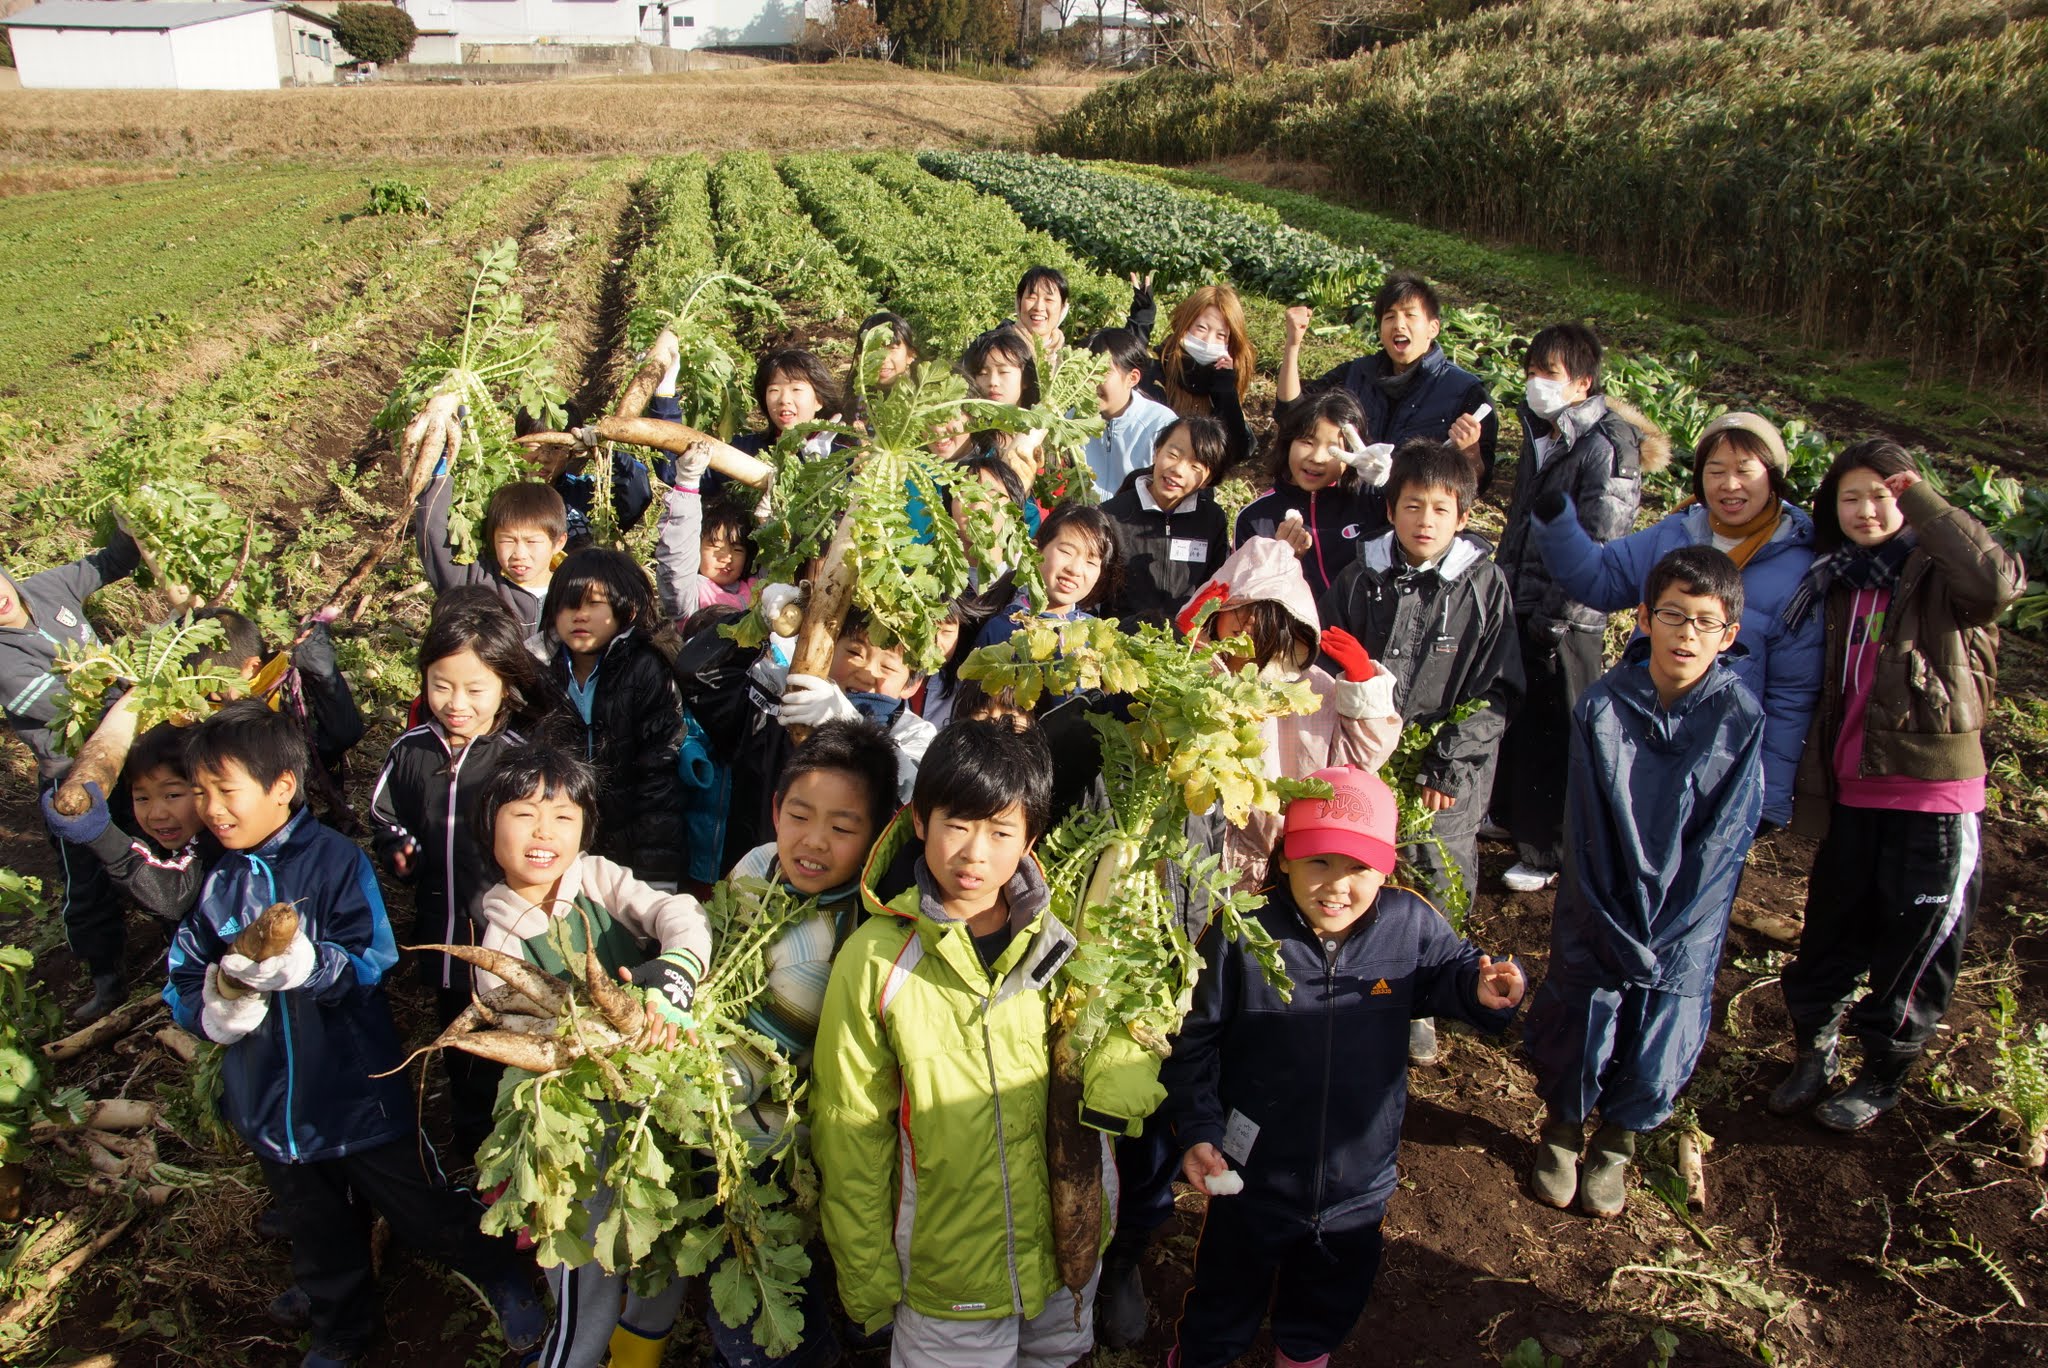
(152, 15)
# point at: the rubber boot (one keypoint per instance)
(1811, 1072)
(1603, 1181)
(1555, 1180)
(291, 1308)
(108, 992)
(1875, 1092)
(631, 1349)
(1121, 1313)
(1280, 1360)
(1422, 1046)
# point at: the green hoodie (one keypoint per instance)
(928, 1102)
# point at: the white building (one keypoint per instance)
(455, 30)
(169, 45)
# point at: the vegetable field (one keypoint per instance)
(237, 364)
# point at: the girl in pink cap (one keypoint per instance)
(1288, 1111)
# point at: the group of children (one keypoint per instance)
(587, 752)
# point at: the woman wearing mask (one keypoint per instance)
(1204, 366)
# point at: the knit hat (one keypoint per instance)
(1357, 820)
(1755, 425)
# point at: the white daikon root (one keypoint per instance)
(1225, 1184)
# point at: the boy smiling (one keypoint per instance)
(1665, 790)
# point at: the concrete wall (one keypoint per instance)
(307, 53)
(227, 54)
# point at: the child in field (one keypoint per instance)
(310, 1074)
(600, 617)
(835, 796)
(525, 529)
(1082, 567)
(1262, 597)
(929, 1080)
(1666, 788)
(1576, 442)
(703, 554)
(162, 865)
(484, 693)
(535, 817)
(1304, 1097)
(1170, 533)
(898, 356)
(1206, 363)
(1909, 589)
(1001, 367)
(1042, 307)
(791, 386)
(1325, 494)
(1409, 388)
(1131, 419)
(37, 615)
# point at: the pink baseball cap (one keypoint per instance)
(1357, 820)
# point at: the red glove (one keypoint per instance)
(1342, 647)
(1216, 593)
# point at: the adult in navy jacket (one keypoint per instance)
(1739, 488)
(1408, 388)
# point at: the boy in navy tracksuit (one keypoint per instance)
(1666, 788)
(307, 1032)
(37, 615)
(1250, 1072)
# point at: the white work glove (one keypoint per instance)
(776, 597)
(1373, 463)
(225, 1020)
(1368, 698)
(666, 386)
(279, 973)
(691, 465)
(808, 701)
(818, 445)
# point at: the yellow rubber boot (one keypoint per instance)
(631, 1349)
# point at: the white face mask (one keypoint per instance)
(1545, 396)
(1202, 353)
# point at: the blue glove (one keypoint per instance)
(84, 828)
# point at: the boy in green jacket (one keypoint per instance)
(928, 1084)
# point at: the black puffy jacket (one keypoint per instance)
(1323, 1076)
(1167, 553)
(635, 726)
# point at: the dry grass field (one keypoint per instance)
(772, 108)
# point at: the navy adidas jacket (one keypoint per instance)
(1324, 1076)
(299, 1088)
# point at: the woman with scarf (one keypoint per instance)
(1892, 781)
(1739, 505)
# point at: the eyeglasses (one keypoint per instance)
(1705, 626)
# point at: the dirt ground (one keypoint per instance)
(778, 108)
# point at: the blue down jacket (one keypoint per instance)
(1780, 664)
(299, 1088)
(1423, 403)
(1323, 1077)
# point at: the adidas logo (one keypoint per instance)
(1380, 989)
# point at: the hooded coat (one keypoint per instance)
(634, 729)
(928, 1099)
(1781, 664)
(303, 1085)
(1354, 724)
(1328, 1124)
(1602, 450)
(1661, 810)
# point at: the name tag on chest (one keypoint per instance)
(1191, 549)
(1240, 1133)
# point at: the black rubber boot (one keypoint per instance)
(1121, 1313)
(1603, 1178)
(1811, 1073)
(1555, 1180)
(108, 992)
(1873, 1094)
(291, 1308)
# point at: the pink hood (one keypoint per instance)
(1266, 568)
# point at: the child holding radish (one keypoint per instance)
(703, 556)
(600, 617)
(37, 615)
(557, 898)
(1260, 598)
(791, 386)
(525, 530)
(162, 865)
(1325, 495)
(484, 693)
(929, 1082)
(1295, 1205)
(1082, 567)
(1170, 533)
(1909, 589)
(310, 1067)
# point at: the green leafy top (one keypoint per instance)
(153, 665)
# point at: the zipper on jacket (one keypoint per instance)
(448, 862)
(1323, 1111)
(1315, 535)
(291, 1136)
(988, 1052)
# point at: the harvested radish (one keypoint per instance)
(1226, 1184)
(269, 936)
